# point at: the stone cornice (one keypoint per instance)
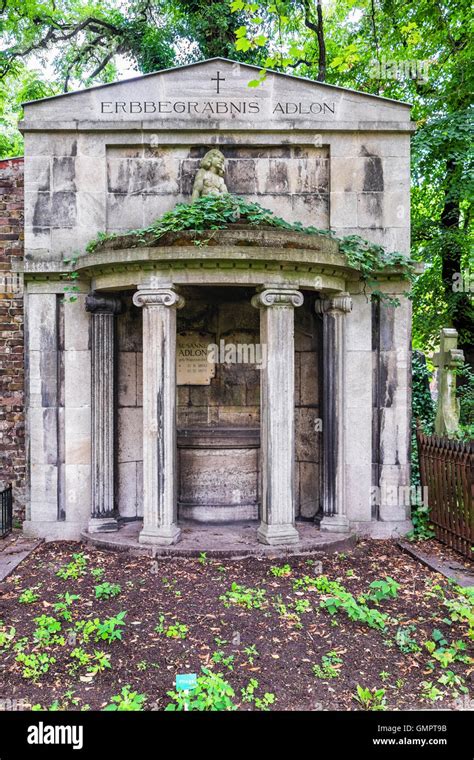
(200, 125)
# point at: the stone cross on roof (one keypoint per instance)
(447, 359)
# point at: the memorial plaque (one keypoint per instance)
(192, 366)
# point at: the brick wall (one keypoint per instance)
(12, 423)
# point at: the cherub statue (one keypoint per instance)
(209, 178)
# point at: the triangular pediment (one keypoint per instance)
(216, 92)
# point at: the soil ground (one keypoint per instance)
(187, 591)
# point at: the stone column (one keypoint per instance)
(277, 414)
(333, 310)
(159, 413)
(103, 308)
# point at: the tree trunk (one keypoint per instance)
(459, 303)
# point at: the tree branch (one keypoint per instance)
(318, 29)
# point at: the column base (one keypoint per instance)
(54, 530)
(382, 529)
(276, 535)
(335, 524)
(102, 525)
(161, 536)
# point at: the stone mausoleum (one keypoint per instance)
(301, 416)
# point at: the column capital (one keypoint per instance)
(339, 303)
(103, 303)
(165, 296)
(283, 297)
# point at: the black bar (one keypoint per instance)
(424, 734)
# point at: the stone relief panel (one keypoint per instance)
(144, 182)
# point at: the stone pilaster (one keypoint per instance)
(159, 413)
(277, 414)
(333, 310)
(43, 394)
(103, 309)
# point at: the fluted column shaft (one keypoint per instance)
(159, 414)
(333, 310)
(103, 309)
(277, 414)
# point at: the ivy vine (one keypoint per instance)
(219, 212)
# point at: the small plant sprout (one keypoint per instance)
(7, 636)
(453, 681)
(405, 641)
(430, 692)
(261, 703)
(35, 664)
(371, 700)
(302, 606)
(28, 596)
(97, 573)
(250, 598)
(47, 631)
(107, 590)
(111, 629)
(126, 701)
(74, 569)
(219, 658)
(99, 662)
(212, 693)
(203, 558)
(280, 571)
(176, 630)
(252, 653)
(62, 608)
(329, 667)
(383, 589)
(170, 585)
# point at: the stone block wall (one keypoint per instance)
(308, 409)
(12, 420)
(129, 414)
(145, 181)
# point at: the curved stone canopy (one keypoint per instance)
(240, 254)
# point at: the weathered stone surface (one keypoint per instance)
(309, 489)
(447, 360)
(115, 158)
(277, 393)
(333, 311)
(392, 402)
(127, 378)
(103, 310)
(159, 413)
(225, 479)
